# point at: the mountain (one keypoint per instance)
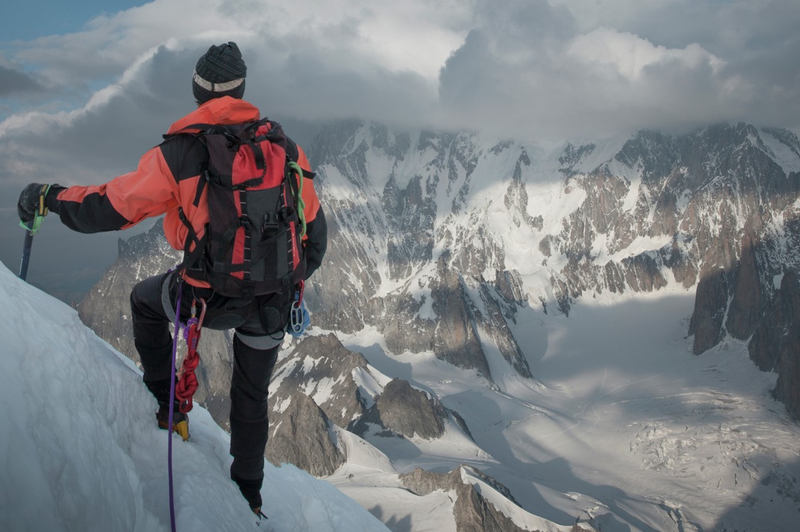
(581, 324)
(81, 450)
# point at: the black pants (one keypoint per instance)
(259, 325)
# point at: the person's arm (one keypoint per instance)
(123, 202)
(315, 242)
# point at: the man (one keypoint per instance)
(168, 181)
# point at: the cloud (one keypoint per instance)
(13, 81)
(82, 107)
(517, 67)
(629, 54)
(536, 71)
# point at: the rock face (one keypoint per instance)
(715, 209)
(776, 342)
(472, 511)
(304, 436)
(347, 392)
(405, 411)
(324, 370)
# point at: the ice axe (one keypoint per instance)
(31, 230)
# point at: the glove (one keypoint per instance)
(32, 203)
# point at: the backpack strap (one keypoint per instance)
(193, 257)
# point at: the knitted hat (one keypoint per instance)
(219, 72)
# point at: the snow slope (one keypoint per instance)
(80, 449)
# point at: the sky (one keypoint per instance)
(82, 451)
(84, 91)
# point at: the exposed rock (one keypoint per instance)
(776, 343)
(304, 436)
(323, 369)
(457, 341)
(745, 307)
(472, 511)
(405, 411)
(709, 311)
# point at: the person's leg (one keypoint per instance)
(151, 336)
(254, 360)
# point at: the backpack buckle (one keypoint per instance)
(286, 214)
(270, 225)
(244, 221)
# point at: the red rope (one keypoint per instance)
(187, 384)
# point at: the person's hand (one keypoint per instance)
(31, 203)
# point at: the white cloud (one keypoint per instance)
(629, 54)
(528, 67)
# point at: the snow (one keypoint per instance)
(370, 384)
(623, 427)
(81, 450)
(785, 156)
(640, 244)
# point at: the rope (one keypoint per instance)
(187, 385)
(301, 205)
(172, 404)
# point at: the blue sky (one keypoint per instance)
(29, 19)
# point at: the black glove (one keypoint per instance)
(31, 203)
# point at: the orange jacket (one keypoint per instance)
(167, 178)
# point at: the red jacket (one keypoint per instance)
(167, 178)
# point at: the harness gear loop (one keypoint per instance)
(187, 383)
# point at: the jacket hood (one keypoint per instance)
(224, 110)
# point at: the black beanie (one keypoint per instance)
(219, 72)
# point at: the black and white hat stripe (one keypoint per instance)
(217, 87)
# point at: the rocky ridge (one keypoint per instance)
(347, 392)
(473, 511)
(436, 240)
(434, 224)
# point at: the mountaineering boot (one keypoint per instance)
(180, 421)
(251, 491)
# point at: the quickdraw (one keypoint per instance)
(187, 383)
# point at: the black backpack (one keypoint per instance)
(252, 244)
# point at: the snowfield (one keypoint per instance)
(81, 451)
(624, 428)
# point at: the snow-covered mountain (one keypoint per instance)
(81, 450)
(528, 313)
